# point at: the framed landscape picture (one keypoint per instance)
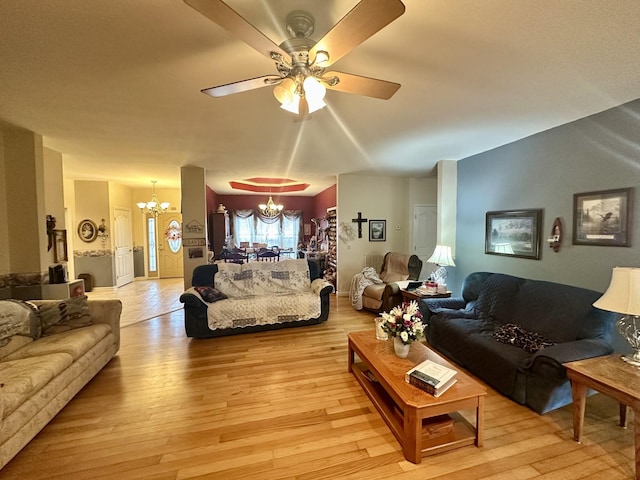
(603, 218)
(377, 230)
(513, 233)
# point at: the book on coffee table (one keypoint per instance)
(431, 377)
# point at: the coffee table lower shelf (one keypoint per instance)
(443, 432)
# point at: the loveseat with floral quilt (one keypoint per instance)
(230, 298)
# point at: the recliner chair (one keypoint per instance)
(396, 267)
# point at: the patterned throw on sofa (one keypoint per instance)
(262, 293)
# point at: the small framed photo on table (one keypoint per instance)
(377, 230)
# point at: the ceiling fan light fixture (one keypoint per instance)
(322, 57)
(314, 89)
(293, 105)
(315, 104)
(285, 90)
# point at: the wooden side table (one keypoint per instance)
(409, 295)
(612, 377)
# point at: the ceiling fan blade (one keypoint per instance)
(370, 87)
(242, 86)
(365, 19)
(222, 14)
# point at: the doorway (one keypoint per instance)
(123, 246)
(424, 235)
(170, 252)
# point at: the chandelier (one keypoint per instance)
(153, 207)
(270, 209)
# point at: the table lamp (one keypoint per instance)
(623, 296)
(442, 257)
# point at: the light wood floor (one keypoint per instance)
(143, 299)
(281, 405)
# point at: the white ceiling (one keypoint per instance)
(115, 85)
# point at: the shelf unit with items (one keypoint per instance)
(331, 262)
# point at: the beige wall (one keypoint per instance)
(4, 220)
(91, 202)
(25, 239)
(194, 216)
(378, 198)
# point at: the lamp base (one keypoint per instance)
(440, 276)
(632, 359)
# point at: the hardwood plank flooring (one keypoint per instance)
(281, 405)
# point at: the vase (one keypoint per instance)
(401, 349)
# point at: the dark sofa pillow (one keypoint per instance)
(210, 294)
(519, 337)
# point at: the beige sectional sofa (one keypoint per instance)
(41, 369)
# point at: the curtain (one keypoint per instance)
(283, 231)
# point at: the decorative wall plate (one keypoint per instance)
(87, 230)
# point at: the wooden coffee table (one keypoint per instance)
(422, 423)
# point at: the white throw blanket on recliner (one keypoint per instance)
(359, 282)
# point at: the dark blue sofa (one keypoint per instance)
(463, 329)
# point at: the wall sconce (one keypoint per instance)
(102, 232)
(556, 235)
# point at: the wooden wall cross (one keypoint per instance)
(359, 221)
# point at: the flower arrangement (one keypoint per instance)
(404, 322)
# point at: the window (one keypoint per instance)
(282, 231)
(174, 236)
(151, 230)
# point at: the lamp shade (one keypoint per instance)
(623, 294)
(442, 256)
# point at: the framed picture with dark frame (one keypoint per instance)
(513, 233)
(87, 230)
(60, 246)
(603, 218)
(377, 230)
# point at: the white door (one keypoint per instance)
(124, 248)
(424, 236)
(170, 245)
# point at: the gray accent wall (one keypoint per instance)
(100, 266)
(599, 152)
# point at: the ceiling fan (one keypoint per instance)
(302, 78)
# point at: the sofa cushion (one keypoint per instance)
(553, 310)
(262, 278)
(263, 310)
(17, 318)
(74, 343)
(22, 378)
(520, 337)
(15, 343)
(495, 300)
(65, 315)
